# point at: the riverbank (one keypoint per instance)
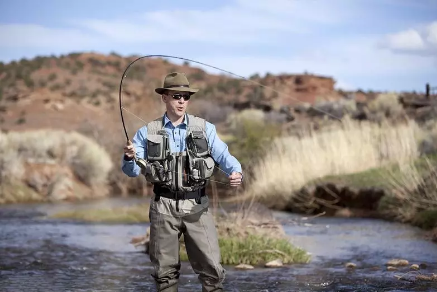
(405, 193)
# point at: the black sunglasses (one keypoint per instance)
(178, 96)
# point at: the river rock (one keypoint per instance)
(423, 266)
(343, 212)
(391, 268)
(351, 265)
(397, 262)
(274, 264)
(414, 267)
(244, 267)
(432, 277)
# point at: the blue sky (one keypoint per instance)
(368, 44)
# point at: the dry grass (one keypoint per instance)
(347, 148)
(413, 196)
(88, 161)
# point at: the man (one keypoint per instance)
(178, 153)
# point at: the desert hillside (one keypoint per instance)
(82, 88)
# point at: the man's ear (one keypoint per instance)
(164, 97)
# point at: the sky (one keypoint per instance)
(388, 45)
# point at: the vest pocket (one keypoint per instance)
(156, 147)
(208, 167)
(204, 168)
(200, 143)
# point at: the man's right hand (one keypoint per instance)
(129, 151)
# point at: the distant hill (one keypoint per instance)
(65, 91)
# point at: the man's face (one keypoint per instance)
(175, 102)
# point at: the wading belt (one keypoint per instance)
(177, 195)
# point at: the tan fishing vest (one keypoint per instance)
(179, 171)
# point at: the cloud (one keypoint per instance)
(353, 63)
(422, 40)
(239, 23)
(32, 35)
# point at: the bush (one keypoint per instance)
(197, 76)
(386, 105)
(89, 162)
(52, 77)
(428, 141)
(426, 219)
(253, 136)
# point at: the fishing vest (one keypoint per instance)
(179, 171)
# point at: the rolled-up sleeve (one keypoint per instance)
(220, 152)
(129, 167)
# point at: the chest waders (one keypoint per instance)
(178, 175)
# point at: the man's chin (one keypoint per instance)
(180, 113)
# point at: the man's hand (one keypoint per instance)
(235, 179)
(129, 151)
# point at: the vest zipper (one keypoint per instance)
(178, 177)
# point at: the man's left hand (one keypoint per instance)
(235, 179)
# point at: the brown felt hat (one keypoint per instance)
(176, 81)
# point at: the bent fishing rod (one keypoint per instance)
(141, 162)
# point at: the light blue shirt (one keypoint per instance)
(219, 149)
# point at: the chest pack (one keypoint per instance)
(179, 171)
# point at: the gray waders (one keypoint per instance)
(193, 219)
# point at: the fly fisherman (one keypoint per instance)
(177, 154)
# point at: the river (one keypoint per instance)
(42, 254)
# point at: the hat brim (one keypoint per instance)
(161, 90)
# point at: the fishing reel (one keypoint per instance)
(141, 163)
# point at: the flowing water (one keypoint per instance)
(42, 254)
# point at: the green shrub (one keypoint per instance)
(52, 76)
(256, 250)
(426, 219)
(252, 135)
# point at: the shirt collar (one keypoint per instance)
(167, 120)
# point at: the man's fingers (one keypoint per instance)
(235, 179)
(129, 149)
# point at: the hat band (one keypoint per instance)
(170, 86)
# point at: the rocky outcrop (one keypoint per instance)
(50, 180)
